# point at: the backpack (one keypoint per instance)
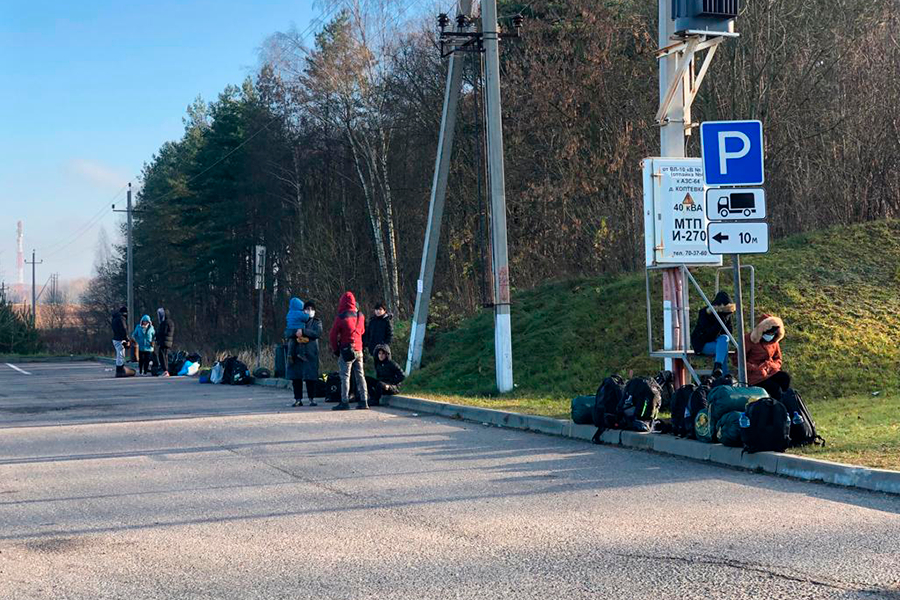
(583, 410)
(262, 373)
(333, 387)
(681, 409)
(640, 402)
(176, 361)
(666, 382)
(803, 428)
(723, 380)
(725, 399)
(696, 403)
(728, 429)
(768, 427)
(606, 402)
(703, 430)
(236, 372)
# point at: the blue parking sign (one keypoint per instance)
(732, 153)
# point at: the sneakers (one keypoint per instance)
(297, 402)
(341, 406)
(362, 406)
(717, 370)
(312, 402)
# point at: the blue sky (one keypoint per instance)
(91, 89)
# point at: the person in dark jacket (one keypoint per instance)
(346, 344)
(165, 339)
(708, 338)
(764, 356)
(119, 324)
(306, 367)
(389, 375)
(380, 330)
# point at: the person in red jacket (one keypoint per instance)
(346, 344)
(764, 356)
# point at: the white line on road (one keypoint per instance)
(17, 369)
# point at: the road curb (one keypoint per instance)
(788, 465)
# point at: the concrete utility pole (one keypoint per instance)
(33, 288)
(502, 325)
(672, 139)
(129, 210)
(436, 206)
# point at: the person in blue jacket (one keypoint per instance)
(296, 320)
(143, 338)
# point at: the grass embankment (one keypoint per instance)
(837, 290)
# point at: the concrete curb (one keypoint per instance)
(788, 465)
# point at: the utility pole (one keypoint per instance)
(438, 198)
(260, 284)
(672, 139)
(33, 287)
(502, 323)
(129, 210)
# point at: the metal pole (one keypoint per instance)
(502, 323)
(259, 330)
(33, 290)
(739, 300)
(436, 206)
(130, 267)
(672, 139)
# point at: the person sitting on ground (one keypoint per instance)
(389, 373)
(143, 338)
(119, 324)
(764, 356)
(165, 338)
(708, 338)
(380, 330)
(307, 368)
(296, 319)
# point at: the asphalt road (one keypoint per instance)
(151, 488)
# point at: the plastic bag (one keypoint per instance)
(217, 373)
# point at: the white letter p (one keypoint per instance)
(724, 155)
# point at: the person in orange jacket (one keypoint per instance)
(764, 356)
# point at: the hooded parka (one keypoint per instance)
(707, 328)
(349, 326)
(763, 358)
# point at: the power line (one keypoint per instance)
(65, 241)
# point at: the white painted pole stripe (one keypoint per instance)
(17, 369)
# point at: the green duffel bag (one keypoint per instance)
(582, 410)
(728, 429)
(725, 399)
(702, 428)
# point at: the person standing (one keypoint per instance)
(346, 344)
(119, 323)
(143, 338)
(380, 331)
(305, 367)
(165, 338)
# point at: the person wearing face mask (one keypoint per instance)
(764, 356)
(306, 368)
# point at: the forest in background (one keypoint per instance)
(326, 157)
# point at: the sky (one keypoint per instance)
(89, 92)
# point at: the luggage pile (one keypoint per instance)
(714, 411)
(231, 371)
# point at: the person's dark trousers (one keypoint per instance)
(297, 385)
(162, 356)
(144, 361)
(775, 384)
(311, 389)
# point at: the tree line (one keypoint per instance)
(326, 155)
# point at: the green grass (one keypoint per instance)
(838, 291)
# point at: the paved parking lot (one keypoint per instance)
(151, 488)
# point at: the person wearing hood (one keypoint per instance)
(346, 344)
(764, 356)
(380, 331)
(119, 324)
(389, 374)
(303, 332)
(143, 338)
(165, 338)
(708, 338)
(295, 320)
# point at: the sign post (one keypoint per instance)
(733, 156)
(259, 282)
